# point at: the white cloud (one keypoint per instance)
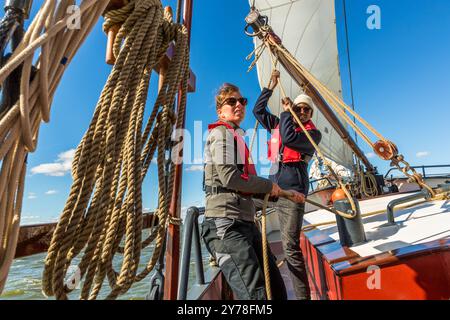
(198, 161)
(370, 154)
(28, 217)
(32, 195)
(422, 154)
(195, 168)
(58, 168)
(49, 192)
(198, 204)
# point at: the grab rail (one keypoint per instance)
(191, 232)
(311, 183)
(420, 167)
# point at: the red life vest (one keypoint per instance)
(249, 167)
(275, 143)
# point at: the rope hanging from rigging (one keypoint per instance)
(319, 153)
(20, 121)
(104, 207)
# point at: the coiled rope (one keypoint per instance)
(368, 184)
(104, 207)
(19, 125)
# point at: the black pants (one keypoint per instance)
(237, 247)
(290, 216)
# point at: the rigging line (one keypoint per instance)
(286, 19)
(178, 16)
(316, 147)
(306, 28)
(269, 7)
(349, 64)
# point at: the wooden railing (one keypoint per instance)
(34, 239)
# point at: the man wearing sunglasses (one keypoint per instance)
(290, 152)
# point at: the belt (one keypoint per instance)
(214, 190)
(218, 189)
(304, 158)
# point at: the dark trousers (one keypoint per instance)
(290, 216)
(237, 248)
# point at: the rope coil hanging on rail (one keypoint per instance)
(104, 207)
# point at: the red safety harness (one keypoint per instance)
(288, 154)
(249, 167)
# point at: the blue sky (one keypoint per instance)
(401, 77)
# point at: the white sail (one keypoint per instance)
(307, 29)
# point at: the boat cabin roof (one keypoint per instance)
(418, 224)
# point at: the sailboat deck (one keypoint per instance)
(424, 227)
(421, 223)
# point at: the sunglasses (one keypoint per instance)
(300, 108)
(232, 101)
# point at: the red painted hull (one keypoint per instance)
(417, 272)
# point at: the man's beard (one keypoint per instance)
(303, 119)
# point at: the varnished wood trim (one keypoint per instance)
(34, 239)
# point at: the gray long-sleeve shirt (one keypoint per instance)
(224, 167)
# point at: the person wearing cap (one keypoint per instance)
(290, 152)
(230, 181)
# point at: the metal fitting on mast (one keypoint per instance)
(20, 5)
(257, 21)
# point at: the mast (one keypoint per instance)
(173, 231)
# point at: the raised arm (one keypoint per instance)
(264, 117)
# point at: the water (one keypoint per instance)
(25, 278)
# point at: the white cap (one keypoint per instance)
(303, 98)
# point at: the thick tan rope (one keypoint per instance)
(334, 100)
(368, 184)
(318, 151)
(340, 107)
(104, 208)
(285, 194)
(19, 125)
(265, 248)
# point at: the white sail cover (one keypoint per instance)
(307, 29)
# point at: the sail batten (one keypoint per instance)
(307, 29)
(273, 4)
